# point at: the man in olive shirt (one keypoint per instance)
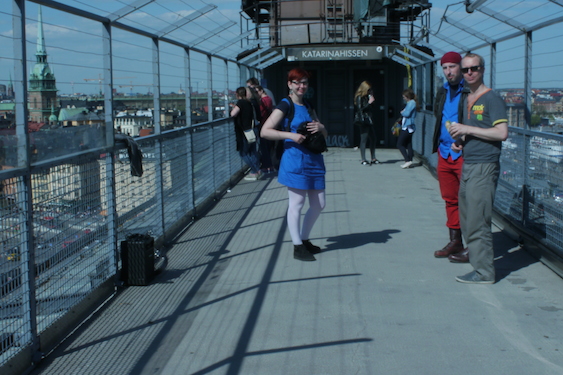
(485, 127)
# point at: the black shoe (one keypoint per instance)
(375, 161)
(365, 162)
(300, 252)
(474, 278)
(312, 248)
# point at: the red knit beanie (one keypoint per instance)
(451, 57)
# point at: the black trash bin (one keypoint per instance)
(137, 259)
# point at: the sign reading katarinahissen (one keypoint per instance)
(335, 53)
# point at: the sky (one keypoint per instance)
(547, 46)
(75, 53)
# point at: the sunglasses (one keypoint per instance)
(474, 69)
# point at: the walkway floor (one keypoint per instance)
(234, 301)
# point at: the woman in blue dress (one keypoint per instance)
(302, 171)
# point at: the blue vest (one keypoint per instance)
(449, 113)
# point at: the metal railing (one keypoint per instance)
(68, 195)
(78, 226)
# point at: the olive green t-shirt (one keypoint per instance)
(487, 111)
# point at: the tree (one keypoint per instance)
(535, 120)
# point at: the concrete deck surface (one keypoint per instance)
(234, 301)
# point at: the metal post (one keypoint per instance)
(156, 84)
(212, 129)
(193, 196)
(425, 89)
(158, 130)
(20, 87)
(493, 65)
(110, 140)
(189, 157)
(226, 97)
(24, 195)
(188, 84)
(528, 78)
(209, 89)
(525, 172)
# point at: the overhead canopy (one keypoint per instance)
(222, 29)
(478, 24)
(193, 23)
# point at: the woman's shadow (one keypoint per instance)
(352, 240)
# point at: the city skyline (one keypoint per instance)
(75, 50)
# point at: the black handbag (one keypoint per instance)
(314, 142)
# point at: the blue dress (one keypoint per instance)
(299, 167)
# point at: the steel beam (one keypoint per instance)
(128, 9)
(232, 41)
(212, 33)
(502, 18)
(187, 19)
(469, 30)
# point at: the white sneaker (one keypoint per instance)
(406, 165)
(251, 177)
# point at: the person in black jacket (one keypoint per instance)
(363, 100)
(244, 115)
(448, 108)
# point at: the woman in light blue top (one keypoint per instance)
(404, 143)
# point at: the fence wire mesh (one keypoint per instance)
(73, 253)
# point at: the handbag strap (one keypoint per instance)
(291, 112)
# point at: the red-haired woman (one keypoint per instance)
(302, 171)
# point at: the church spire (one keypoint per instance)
(41, 52)
(10, 87)
(42, 91)
(41, 77)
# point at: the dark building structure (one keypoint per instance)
(341, 43)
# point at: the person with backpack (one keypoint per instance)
(266, 147)
(301, 170)
(244, 115)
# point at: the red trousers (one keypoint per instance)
(449, 177)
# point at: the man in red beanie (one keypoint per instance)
(448, 108)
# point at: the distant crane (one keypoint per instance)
(132, 85)
(100, 80)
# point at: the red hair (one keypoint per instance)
(297, 74)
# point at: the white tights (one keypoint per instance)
(296, 203)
